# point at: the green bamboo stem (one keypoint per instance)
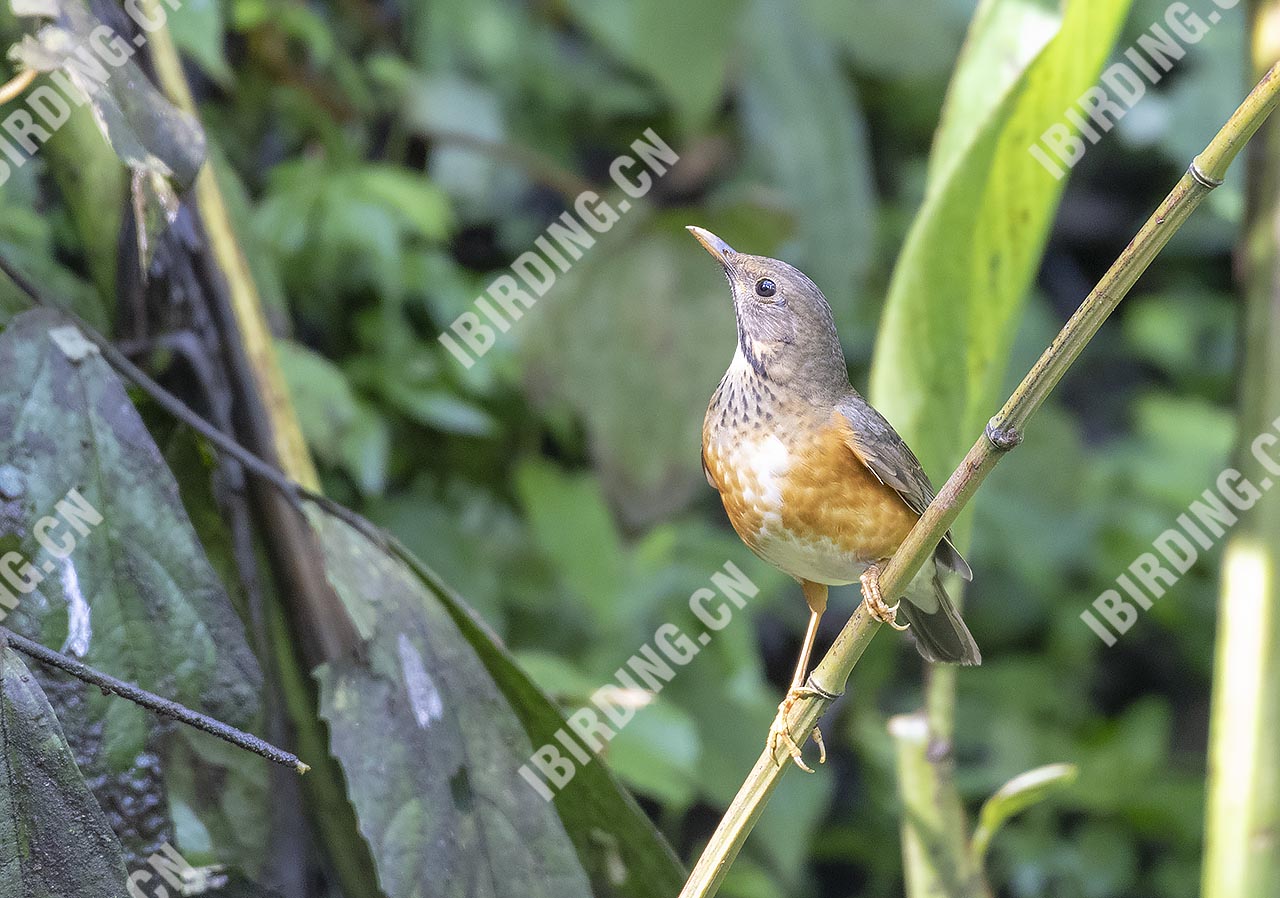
(935, 866)
(1242, 828)
(1003, 433)
(1242, 813)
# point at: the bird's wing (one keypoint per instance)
(878, 446)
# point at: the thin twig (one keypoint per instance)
(220, 441)
(1003, 433)
(184, 413)
(166, 400)
(152, 702)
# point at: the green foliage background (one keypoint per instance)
(556, 486)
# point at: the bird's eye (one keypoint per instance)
(766, 288)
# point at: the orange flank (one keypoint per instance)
(829, 492)
(806, 489)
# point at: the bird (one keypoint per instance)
(813, 479)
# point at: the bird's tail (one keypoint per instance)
(941, 635)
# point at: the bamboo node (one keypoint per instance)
(1201, 178)
(1002, 436)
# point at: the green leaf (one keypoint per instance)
(442, 802)
(574, 527)
(1014, 797)
(893, 41)
(136, 596)
(339, 228)
(807, 135)
(440, 409)
(54, 840)
(342, 429)
(974, 248)
(198, 29)
(683, 47)
(422, 207)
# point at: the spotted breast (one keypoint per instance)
(792, 485)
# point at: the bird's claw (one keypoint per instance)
(876, 605)
(780, 733)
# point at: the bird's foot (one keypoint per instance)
(780, 733)
(876, 606)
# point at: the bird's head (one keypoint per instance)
(786, 331)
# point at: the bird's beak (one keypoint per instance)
(712, 244)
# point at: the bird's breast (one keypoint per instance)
(797, 495)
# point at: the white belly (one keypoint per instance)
(821, 561)
(763, 462)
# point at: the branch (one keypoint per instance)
(152, 702)
(1002, 434)
(286, 441)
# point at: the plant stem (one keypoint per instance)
(1003, 433)
(13, 88)
(287, 442)
(149, 700)
(266, 415)
(318, 628)
(935, 864)
(1243, 808)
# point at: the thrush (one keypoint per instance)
(814, 480)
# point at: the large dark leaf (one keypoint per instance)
(438, 792)
(136, 596)
(441, 800)
(616, 842)
(54, 841)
